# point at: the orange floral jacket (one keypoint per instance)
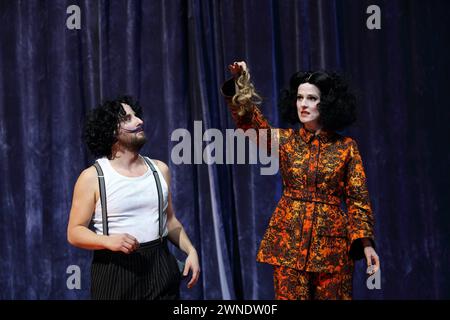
(308, 229)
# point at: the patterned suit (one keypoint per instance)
(310, 240)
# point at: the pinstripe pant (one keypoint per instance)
(149, 273)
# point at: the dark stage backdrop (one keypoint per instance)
(172, 56)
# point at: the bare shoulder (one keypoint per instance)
(89, 173)
(162, 166)
(164, 169)
(85, 196)
(88, 179)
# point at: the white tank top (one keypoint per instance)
(132, 203)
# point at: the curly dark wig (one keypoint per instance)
(100, 132)
(337, 107)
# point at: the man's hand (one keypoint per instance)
(193, 265)
(121, 242)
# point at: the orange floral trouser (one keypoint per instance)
(292, 284)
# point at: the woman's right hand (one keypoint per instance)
(237, 68)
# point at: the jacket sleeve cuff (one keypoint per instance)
(358, 241)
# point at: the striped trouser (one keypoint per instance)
(149, 273)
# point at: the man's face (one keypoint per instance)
(131, 132)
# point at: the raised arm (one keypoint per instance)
(243, 102)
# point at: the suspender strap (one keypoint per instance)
(101, 184)
(160, 194)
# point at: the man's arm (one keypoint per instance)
(177, 234)
(85, 195)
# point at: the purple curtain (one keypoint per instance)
(172, 56)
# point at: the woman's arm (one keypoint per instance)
(361, 220)
(243, 101)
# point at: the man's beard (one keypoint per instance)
(135, 143)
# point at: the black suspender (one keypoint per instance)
(160, 195)
(101, 184)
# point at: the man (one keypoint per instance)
(131, 259)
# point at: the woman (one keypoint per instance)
(311, 242)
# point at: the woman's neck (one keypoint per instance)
(315, 128)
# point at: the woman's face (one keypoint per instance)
(308, 99)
